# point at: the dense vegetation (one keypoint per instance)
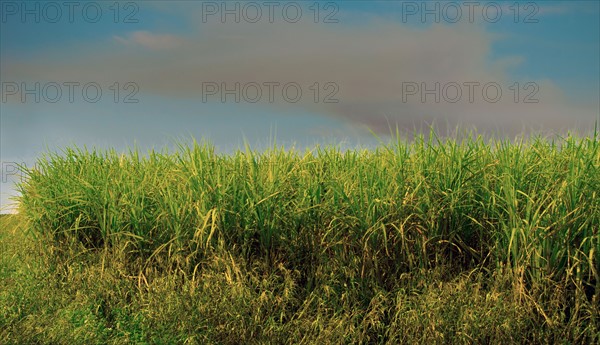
(459, 240)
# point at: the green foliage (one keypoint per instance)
(326, 245)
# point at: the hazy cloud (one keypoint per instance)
(151, 41)
(370, 66)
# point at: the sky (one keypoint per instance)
(147, 74)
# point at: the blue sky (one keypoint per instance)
(360, 66)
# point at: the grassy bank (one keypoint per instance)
(455, 241)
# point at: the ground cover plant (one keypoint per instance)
(459, 240)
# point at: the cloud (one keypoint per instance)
(150, 41)
(369, 65)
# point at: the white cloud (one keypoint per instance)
(151, 41)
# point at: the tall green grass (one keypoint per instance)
(433, 240)
(366, 217)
